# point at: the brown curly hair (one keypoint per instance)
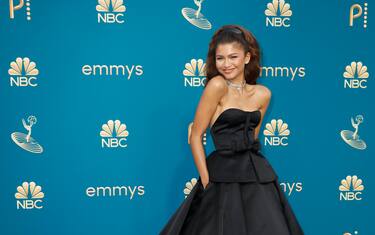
(229, 34)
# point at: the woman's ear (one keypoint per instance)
(247, 57)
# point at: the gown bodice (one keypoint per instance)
(237, 156)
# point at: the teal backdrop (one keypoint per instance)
(87, 184)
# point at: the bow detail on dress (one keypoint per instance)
(244, 144)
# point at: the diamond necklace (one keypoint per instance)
(239, 87)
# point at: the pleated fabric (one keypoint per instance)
(243, 208)
(243, 196)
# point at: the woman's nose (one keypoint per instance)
(226, 63)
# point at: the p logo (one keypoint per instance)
(13, 7)
(357, 11)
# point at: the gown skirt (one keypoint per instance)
(234, 208)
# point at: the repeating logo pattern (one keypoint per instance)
(355, 75)
(195, 73)
(189, 186)
(351, 188)
(358, 11)
(25, 141)
(23, 72)
(110, 11)
(112, 71)
(276, 133)
(29, 196)
(278, 14)
(15, 7)
(195, 17)
(116, 191)
(352, 137)
(283, 71)
(114, 134)
(291, 187)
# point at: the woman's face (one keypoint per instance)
(231, 59)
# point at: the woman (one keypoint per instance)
(238, 192)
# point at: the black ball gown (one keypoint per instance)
(243, 196)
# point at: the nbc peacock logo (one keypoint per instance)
(276, 133)
(355, 75)
(351, 188)
(21, 4)
(110, 11)
(189, 186)
(23, 73)
(278, 14)
(204, 137)
(29, 196)
(114, 134)
(194, 73)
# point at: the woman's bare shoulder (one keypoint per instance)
(263, 91)
(217, 84)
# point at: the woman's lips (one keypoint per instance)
(228, 70)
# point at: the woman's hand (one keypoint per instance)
(205, 182)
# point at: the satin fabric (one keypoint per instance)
(243, 196)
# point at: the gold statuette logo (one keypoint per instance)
(25, 141)
(352, 137)
(195, 17)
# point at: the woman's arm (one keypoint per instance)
(212, 94)
(265, 97)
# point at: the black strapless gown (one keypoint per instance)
(243, 196)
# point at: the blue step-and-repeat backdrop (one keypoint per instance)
(97, 97)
